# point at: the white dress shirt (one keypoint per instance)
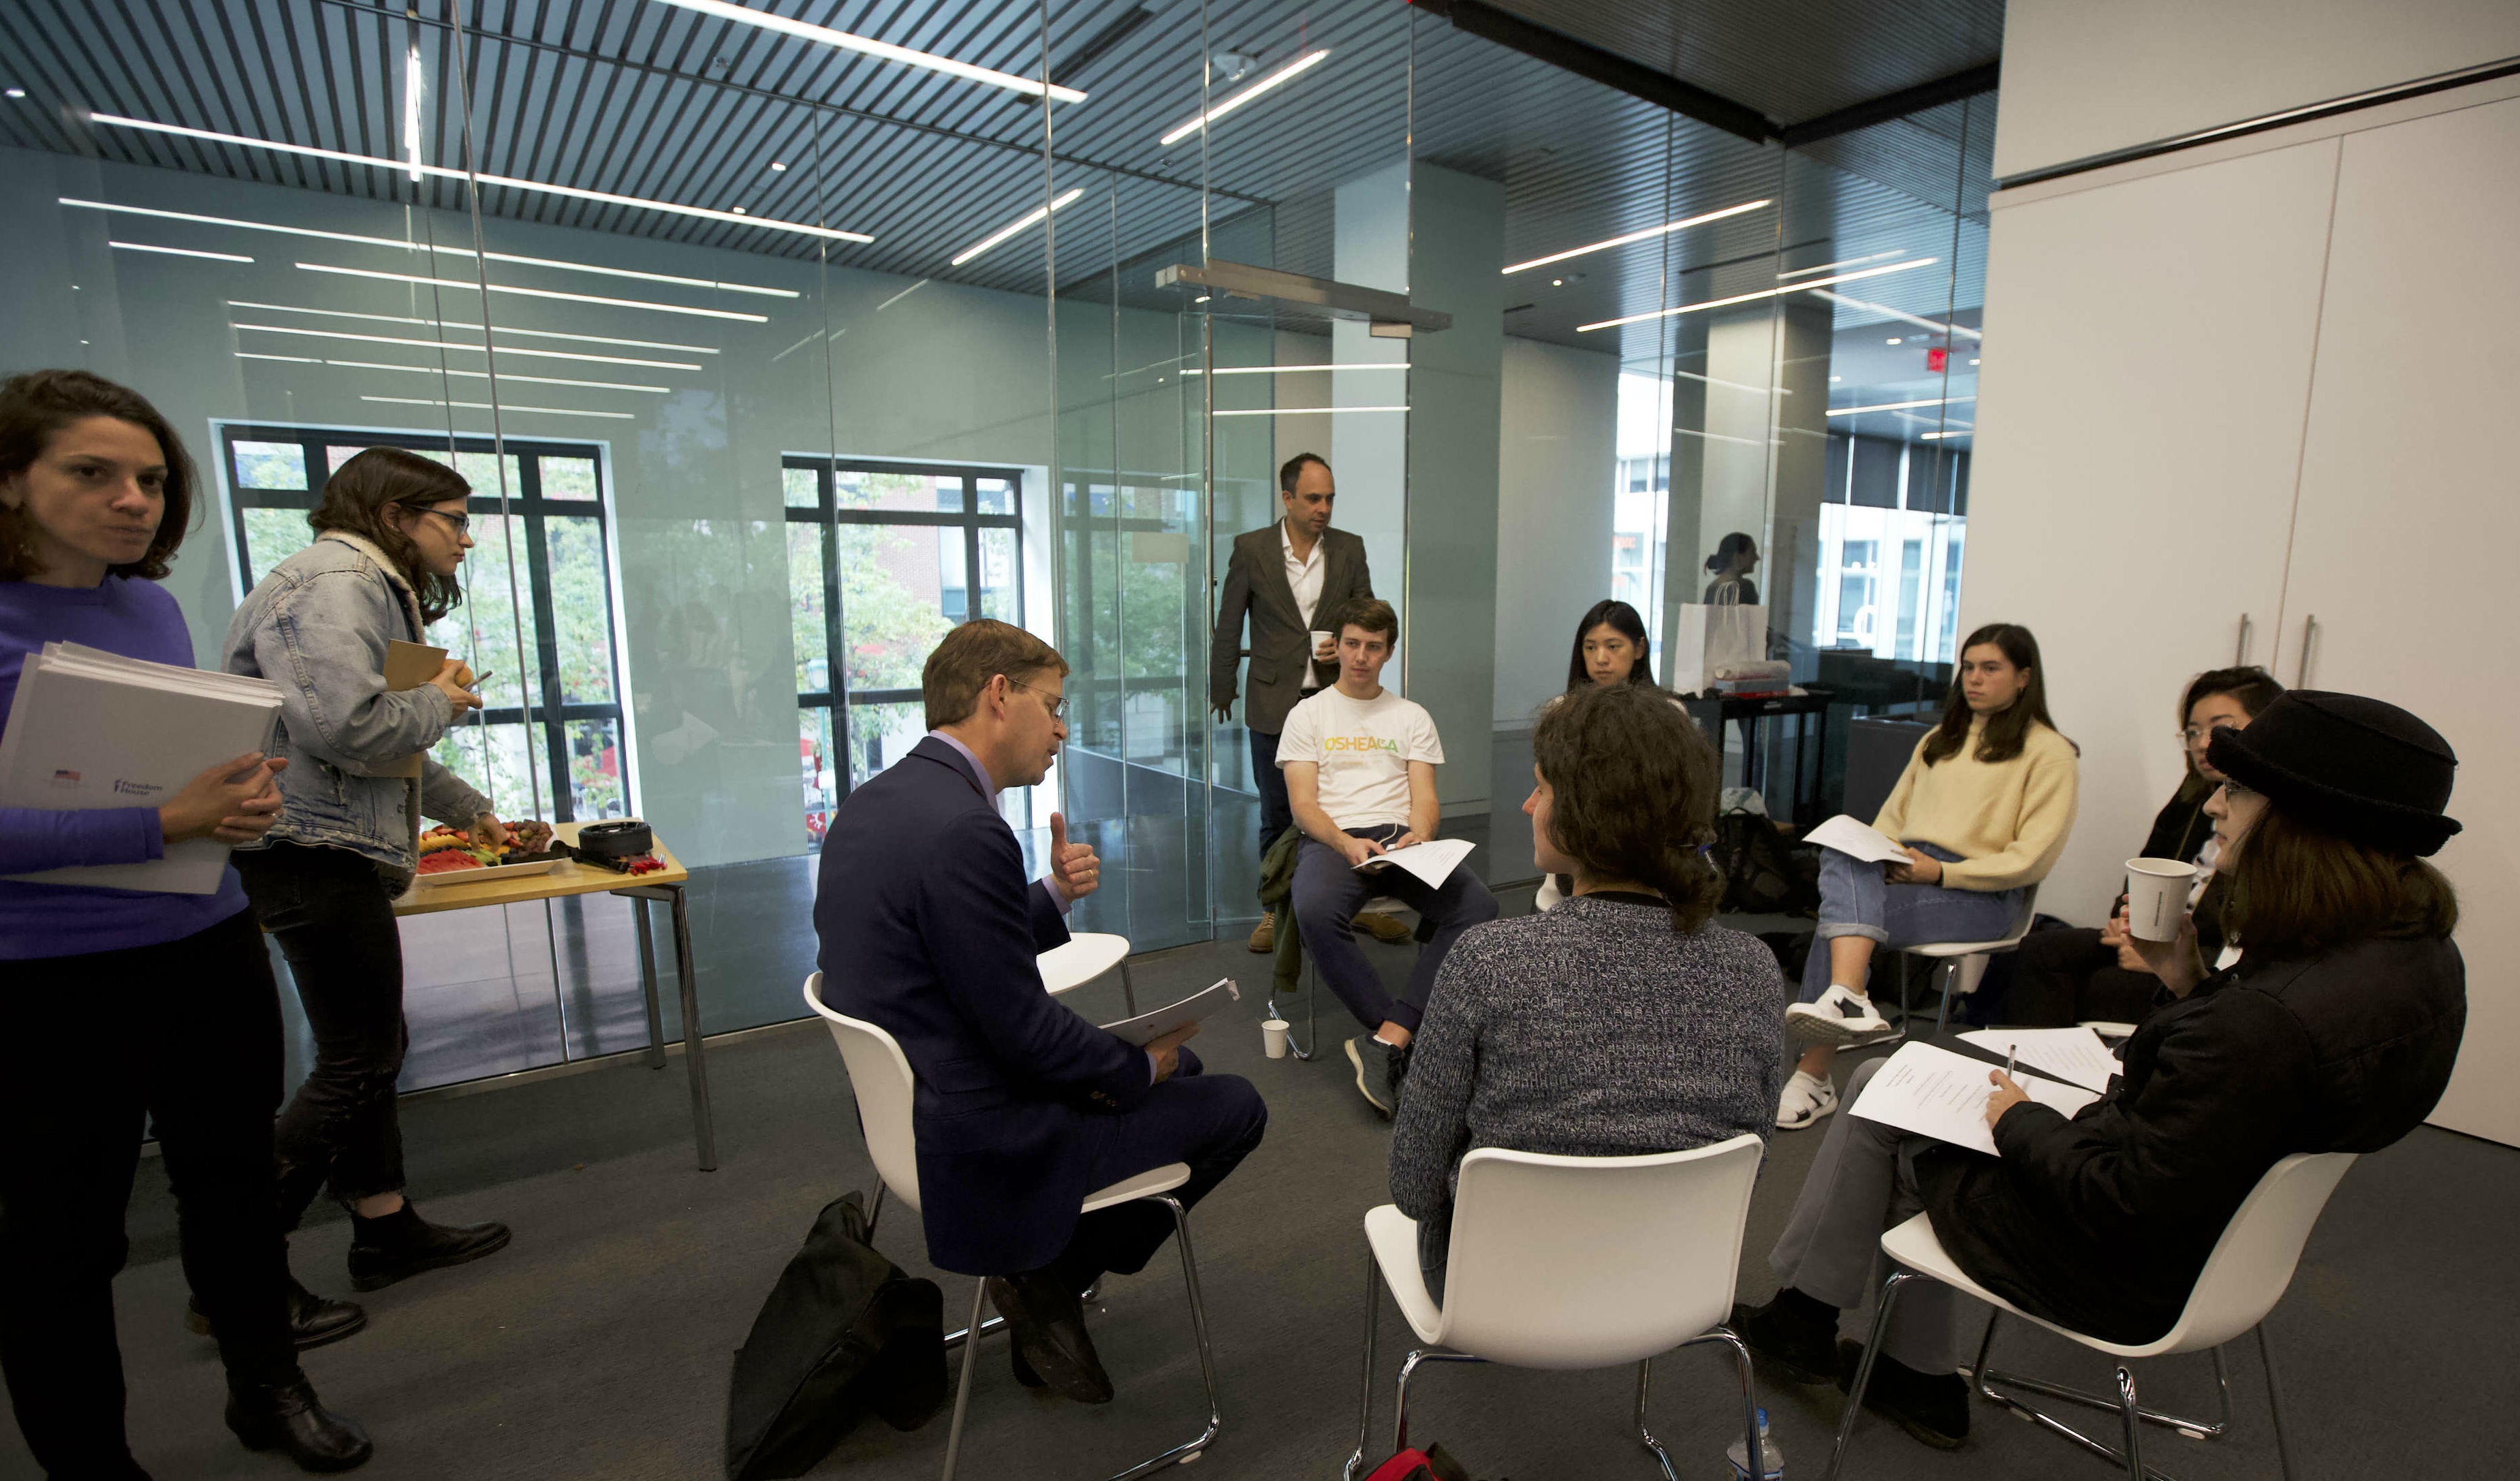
(1304, 578)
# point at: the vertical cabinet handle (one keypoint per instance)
(2308, 635)
(2240, 655)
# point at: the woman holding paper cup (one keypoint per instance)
(96, 494)
(392, 532)
(1981, 814)
(2335, 1031)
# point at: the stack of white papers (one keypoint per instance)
(1858, 840)
(1172, 1018)
(1942, 1095)
(2075, 1056)
(1432, 862)
(90, 729)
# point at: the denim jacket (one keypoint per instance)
(317, 626)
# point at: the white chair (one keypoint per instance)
(880, 1077)
(1087, 956)
(1962, 963)
(2245, 1275)
(1572, 1262)
(1385, 904)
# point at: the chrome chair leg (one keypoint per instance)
(1365, 1401)
(1128, 989)
(963, 1389)
(2193, 1429)
(1749, 1400)
(1864, 1370)
(1951, 979)
(1409, 1371)
(2275, 1403)
(1189, 1450)
(2130, 1414)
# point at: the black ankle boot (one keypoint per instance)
(286, 1415)
(402, 1244)
(313, 1319)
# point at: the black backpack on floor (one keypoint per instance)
(1763, 873)
(843, 1333)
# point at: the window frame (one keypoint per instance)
(527, 503)
(825, 515)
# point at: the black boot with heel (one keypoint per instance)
(284, 1414)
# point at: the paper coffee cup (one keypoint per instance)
(2157, 896)
(1273, 1038)
(1320, 638)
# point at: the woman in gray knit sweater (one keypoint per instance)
(1621, 1022)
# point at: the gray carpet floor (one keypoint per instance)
(597, 1344)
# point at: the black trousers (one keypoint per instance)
(1276, 813)
(1211, 1122)
(334, 917)
(2061, 977)
(191, 1042)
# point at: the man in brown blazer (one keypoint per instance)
(1289, 577)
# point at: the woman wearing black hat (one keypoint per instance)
(2334, 1031)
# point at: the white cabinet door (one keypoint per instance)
(2147, 359)
(2410, 514)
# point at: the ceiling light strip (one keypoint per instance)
(1664, 230)
(882, 50)
(1805, 272)
(539, 334)
(1765, 292)
(1937, 437)
(1897, 406)
(505, 406)
(536, 292)
(178, 252)
(1292, 370)
(429, 246)
(1033, 217)
(1903, 317)
(442, 173)
(1282, 75)
(473, 374)
(504, 350)
(1309, 411)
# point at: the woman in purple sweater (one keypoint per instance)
(95, 494)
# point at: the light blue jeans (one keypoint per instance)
(1856, 901)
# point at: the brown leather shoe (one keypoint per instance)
(1383, 927)
(1264, 936)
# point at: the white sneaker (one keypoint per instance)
(1842, 1018)
(1806, 1100)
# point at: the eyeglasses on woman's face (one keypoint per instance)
(463, 524)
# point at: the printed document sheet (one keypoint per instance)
(1149, 1026)
(1942, 1095)
(2073, 1055)
(1432, 862)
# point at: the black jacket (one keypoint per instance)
(2102, 1223)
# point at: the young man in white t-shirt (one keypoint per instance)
(1360, 764)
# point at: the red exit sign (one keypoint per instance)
(1936, 359)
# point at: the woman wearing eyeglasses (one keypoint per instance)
(2063, 977)
(392, 532)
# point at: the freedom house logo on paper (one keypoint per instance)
(66, 777)
(123, 788)
(1358, 744)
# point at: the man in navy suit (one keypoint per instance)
(929, 930)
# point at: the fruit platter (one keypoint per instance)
(448, 856)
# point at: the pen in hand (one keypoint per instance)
(2011, 1053)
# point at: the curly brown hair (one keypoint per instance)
(1633, 785)
(34, 407)
(354, 501)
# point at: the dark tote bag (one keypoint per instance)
(845, 1334)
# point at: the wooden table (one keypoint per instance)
(572, 878)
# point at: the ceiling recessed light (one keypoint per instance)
(1833, 380)
(17, 91)
(739, 211)
(775, 166)
(1893, 340)
(1665, 229)
(1972, 362)
(1556, 283)
(884, 50)
(1202, 298)
(1284, 73)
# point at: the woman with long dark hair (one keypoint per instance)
(1623, 1021)
(2061, 977)
(1982, 810)
(2335, 1030)
(392, 532)
(1735, 556)
(135, 1005)
(1611, 647)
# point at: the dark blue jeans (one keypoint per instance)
(1328, 893)
(1856, 901)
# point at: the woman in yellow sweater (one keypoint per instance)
(1983, 809)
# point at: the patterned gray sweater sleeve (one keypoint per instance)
(1592, 1030)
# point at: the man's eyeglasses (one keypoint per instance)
(1057, 702)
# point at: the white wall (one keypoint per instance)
(2082, 79)
(1557, 464)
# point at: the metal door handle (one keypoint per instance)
(2308, 633)
(2240, 655)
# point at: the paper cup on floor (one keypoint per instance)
(2157, 896)
(1272, 1037)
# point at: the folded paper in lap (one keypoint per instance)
(1432, 861)
(1941, 1095)
(1150, 1026)
(1857, 840)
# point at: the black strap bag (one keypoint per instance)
(1763, 873)
(843, 1333)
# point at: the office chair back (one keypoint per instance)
(2253, 1261)
(1591, 1262)
(879, 1076)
